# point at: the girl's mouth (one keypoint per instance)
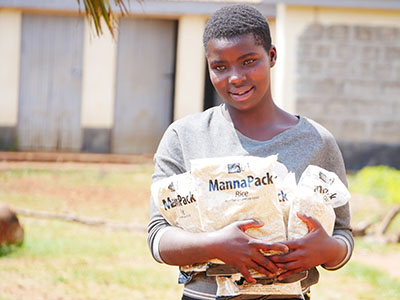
(241, 94)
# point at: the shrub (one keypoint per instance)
(381, 181)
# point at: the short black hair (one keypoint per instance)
(235, 20)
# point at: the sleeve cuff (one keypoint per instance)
(347, 257)
(156, 249)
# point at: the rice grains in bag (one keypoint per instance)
(286, 187)
(238, 188)
(319, 192)
(176, 199)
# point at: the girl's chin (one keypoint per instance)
(240, 106)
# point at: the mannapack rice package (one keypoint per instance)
(238, 188)
(241, 188)
(317, 194)
(177, 201)
(219, 191)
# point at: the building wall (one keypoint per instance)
(98, 90)
(349, 79)
(35, 113)
(144, 87)
(339, 66)
(10, 43)
(344, 68)
(190, 66)
(50, 85)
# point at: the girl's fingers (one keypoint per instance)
(246, 224)
(246, 274)
(311, 223)
(289, 266)
(267, 264)
(261, 269)
(289, 273)
(276, 248)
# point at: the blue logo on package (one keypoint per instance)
(234, 168)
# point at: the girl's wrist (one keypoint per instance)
(211, 246)
(338, 251)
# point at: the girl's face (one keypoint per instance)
(240, 70)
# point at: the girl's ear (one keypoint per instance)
(272, 56)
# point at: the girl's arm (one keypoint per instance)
(230, 244)
(314, 249)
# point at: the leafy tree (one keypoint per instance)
(96, 10)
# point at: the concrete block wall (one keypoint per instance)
(348, 78)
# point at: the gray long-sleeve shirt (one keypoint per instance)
(210, 134)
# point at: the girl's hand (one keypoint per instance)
(234, 247)
(314, 249)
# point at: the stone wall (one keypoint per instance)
(348, 79)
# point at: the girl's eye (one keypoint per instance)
(220, 68)
(248, 61)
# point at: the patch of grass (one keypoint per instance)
(47, 238)
(7, 249)
(364, 245)
(381, 181)
(83, 262)
(386, 287)
(356, 281)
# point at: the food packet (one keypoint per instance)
(177, 201)
(235, 285)
(286, 188)
(238, 188)
(318, 193)
(230, 286)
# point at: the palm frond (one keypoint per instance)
(96, 10)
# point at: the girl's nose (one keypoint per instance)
(236, 77)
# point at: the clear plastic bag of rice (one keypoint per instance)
(318, 193)
(177, 201)
(235, 285)
(239, 188)
(286, 189)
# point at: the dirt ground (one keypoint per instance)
(124, 204)
(37, 165)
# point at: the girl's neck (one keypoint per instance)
(261, 123)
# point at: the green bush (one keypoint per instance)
(381, 181)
